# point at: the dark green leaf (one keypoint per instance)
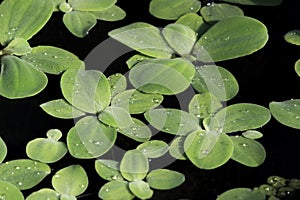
(219, 11)
(3, 150)
(17, 46)
(114, 13)
(91, 5)
(113, 189)
(141, 189)
(108, 169)
(115, 117)
(153, 148)
(164, 179)
(257, 2)
(137, 131)
(242, 194)
(9, 191)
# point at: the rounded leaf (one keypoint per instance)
(17, 46)
(256, 2)
(91, 5)
(3, 150)
(242, 194)
(9, 191)
(153, 148)
(293, 37)
(44, 193)
(114, 13)
(135, 59)
(108, 169)
(252, 134)
(141, 189)
(137, 131)
(297, 67)
(164, 179)
(194, 21)
(115, 117)
(176, 149)
(114, 189)
(118, 83)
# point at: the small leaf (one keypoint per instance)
(108, 169)
(256, 2)
(231, 38)
(131, 62)
(173, 9)
(3, 150)
(252, 134)
(79, 23)
(172, 121)
(297, 67)
(176, 149)
(164, 179)
(241, 194)
(61, 109)
(114, 13)
(89, 138)
(71, 180)
(293, 37)
(91, 5)
(17, 46)
(53, 60)
(141, 189)
(9, 191)
(153, 148)
(150, 76)
(114, 189)
(115, 117)
(248, 152)
(56, 4)
(24, 173)
(87, 90)
(134, 165)
(20, 79)
(67, 197)
(151, 44)
(44, 193)
(137, 131)
(118, 83)
(136, 102)
(194, 21)
(242, 117)
(287, 112)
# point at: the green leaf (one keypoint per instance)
(114, 13)
(53, 60)
(108, 169)
(293, 37)
(44, 193)
(17, 46)
(131, 62)
(89, 138)
(180, 37)
(113, 189)
(136, 102)
(252, 134)
(61, 109)
(153, 148)
(67, 197)
(91, 5)
(242, 117)
(256, 2)
(24, 173)
(141, 189)
(176, 149)
(134, 165)
(151, 44)
(57, 3)
(71, 180)
(19, 79)
(164, 179)
(172, 121)
(9, 191)
(297, 67)
(231, 38)
(242, 194)
(137, 131)
(23, 18)
(87, 90)
(248, 152)
(79, 23)
(173, 9)
(3, 150)
(150, 76)
(194, 21)
(216, 80)
(118, 83)
(287, 112)
(115, 117)
(204, 105)
(208, 150)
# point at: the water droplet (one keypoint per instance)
(205, 152)
(297, 117)
(169, 112)
(2, 196)
(8, 33)
(192, 8)
(233, 121)
(82, 186)
(57, 110)
(55, 57)
(106, 190)
(28, 168)
(14, 29)
(166, 129)
(155, 100)
(112, 14)
(141, 41)
(149, 160)
(17, 167)
(198, 116)
(12, 173)
(20, 183)
(56, 176)
(76, 144)
(1, 15)
(38, 173)
(295, 105)
(244, 144)
(45, 54)
(181, 124)
(292, 33)
(205, 37)
(227, 38)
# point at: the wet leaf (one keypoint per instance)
(195, 22)
(153, 148)
(252, 134)
(108, 169)
(115, 117)
(219, 11)
(44, 193)
(164, 179)
(135, 59)
(176, 149)
(137, 131)
(17, 46)
(242, 194)
(141, 189)
(115, 188)
(293, 37)
(114, 13)
(118, 83)
(256, 2)
(9, 191)
(91, 5)
(3, 150)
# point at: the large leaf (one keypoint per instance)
(23, 18)
(172, 9)
(162, 76)
(3, 150)
(164, 179)
(53, 60)
(153, 148)
(91, 5)
(256, 2)
(114, 13)
(9, 191)
(287, 112)
(108, 169)
(137, 131)
(242, 194)
(44, 193)
(71, 180)
(115, 117)
(242, 117)
(172, 121)
(89, 138)
(141, 189)
(151, 44)
(87, 90)
(134, 165)
(231, 38)
(113, 189)
(19, 79)
(24, 173)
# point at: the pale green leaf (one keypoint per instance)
(17, 46)
(137, 131)
(252, 134)
(141, 189)
(257, 2)
(44, 193)
(297, 67)
(114, 13)
(57, 3)
(136, 59)
(3, 150)
(242, 194)
(67, 197)
(176, 149)
(108, 169)
(194, 21)
(113, 189)
(91, 5)
(9, 191)
(115, 117)
(164, 179)
(153, 148)
(293, 37)
(118, 83)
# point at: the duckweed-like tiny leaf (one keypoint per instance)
(118, 83)
(150, 76)
(17, 46)
(242, 194)
(252, 134)
(219, 11)
(113, 189)
(134, 165)
(287, 112)
(141, 189)
(24, 173)
(137, 131)
(79, 23)
(256, 2)
(297, 67)
(9, 191)
(216, 80)
(71, 180)
(229, 39)
(91, 5)
(53, 60)
(172, 121)
(153, 148)
(248, 152)
(164, 179)
(19, 79)
(151, 44)
(293, 37)
(89, 138)
(194, 21)
(3, 150)
(173, 9)
(135, 59)
(108, 169)
(44, 193)
(87, 90)
(242, 117)
(115, 117)
(111, 14)
(176, 149)
(136, 102)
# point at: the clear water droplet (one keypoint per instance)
(82, 186)
(227, 38)
(45, 54)
(17, 167)
(106, 190)
(28, 168)
(112, 14)
(55, 57)
(2, 196)
(12, 173)
(1, 15)
(192, 8)
(20, 183)
(244, 144)
(155, 100)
